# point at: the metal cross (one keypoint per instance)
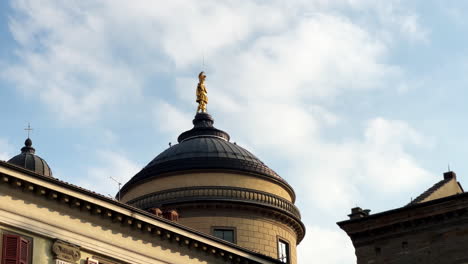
(29, 129)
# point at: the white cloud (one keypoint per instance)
(214, 25)
(320, 56)
(83, 58)
(170, 119)
(68, 61)
(452, 12)
(276, 88)
(109, 136)
(392, 15)
(411, 27)
(379, 165)
(323, 245)
(76, 59)
(275, 71)
(5, 150)
(110, 164)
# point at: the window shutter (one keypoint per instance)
(24, 251)
(11, 249)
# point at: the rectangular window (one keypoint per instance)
(283, 251)
(15, 250)
(225, 233)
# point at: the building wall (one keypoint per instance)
(41, 246)
(206, 179)
(441, 244)
(254, 231)
(46, 220)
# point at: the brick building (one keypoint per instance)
(433, 228)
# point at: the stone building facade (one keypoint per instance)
(433, 228)
(44, 220)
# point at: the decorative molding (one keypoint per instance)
(35, 226)
(224, 193)
(280, 181)
(66, 251)
(134, 219)
(370, 233)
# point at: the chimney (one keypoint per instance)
(450, 175)
(358, 212)
(171, 215)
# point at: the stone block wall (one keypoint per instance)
(254, 231)
(435, 245)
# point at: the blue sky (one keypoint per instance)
(353, 102)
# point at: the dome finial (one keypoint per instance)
(29, 160)
(202, 93)
(28, 142)
(28, 147)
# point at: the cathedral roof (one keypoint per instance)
(201, 148)
(29, 160)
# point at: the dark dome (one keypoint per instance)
(204, 147)
(30, 161)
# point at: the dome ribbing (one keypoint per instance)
(203, 147)
(29, 160)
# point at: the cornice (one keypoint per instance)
(127, 186)
(446, 211)
(131, 217)
(224, 194)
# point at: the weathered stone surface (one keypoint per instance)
(66, 251)
(431, 232)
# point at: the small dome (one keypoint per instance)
(203, 147)
(30, 161)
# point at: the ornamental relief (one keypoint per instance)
(66, 251)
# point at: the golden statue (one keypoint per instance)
(202, 93)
